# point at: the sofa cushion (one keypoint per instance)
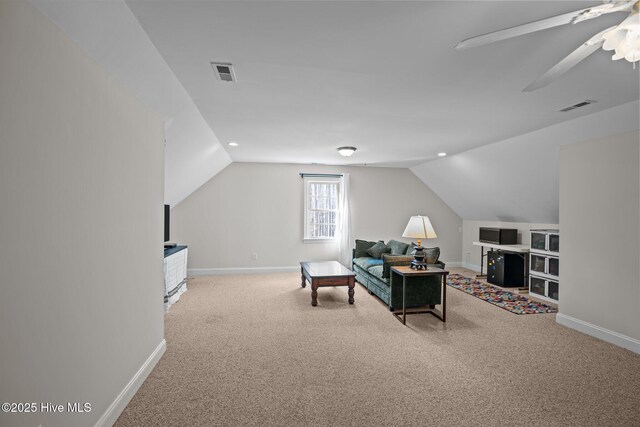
(361, 248)
(392, 261)
(378, 249)
(397, 248)
(366, 262)
(376, 270)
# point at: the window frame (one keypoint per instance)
(307, 194)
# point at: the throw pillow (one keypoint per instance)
(361, 248)
(397, 248)
(431, 255)
(378, 249)
(411, 249)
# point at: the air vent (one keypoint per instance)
(578, 105)
(224, 71)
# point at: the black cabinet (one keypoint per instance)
(505, 269)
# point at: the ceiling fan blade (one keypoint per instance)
(568, 62)
(543, 24)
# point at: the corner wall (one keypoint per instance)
(111, 35)
(81, 192)
(258, 208)
(600, 240)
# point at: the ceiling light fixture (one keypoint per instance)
(232, 144)
(625, 38)
(442, 154)
(347, 151)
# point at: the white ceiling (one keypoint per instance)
(381, 76)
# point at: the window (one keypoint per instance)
(321, 207)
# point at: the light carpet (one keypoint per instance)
(251, 350)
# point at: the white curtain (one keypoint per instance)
(344, 225)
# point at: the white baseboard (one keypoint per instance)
(448, 264)
(117, 406)
(261, 270)
(473, 267)
(599, 332)
(240, 270)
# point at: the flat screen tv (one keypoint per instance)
(166, 223)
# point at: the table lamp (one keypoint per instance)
(419, 227)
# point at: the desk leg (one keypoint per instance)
(481, 275)
(404, 300)
(304, 280)
(444, 297)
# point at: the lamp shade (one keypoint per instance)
(419, 227)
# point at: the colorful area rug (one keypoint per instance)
(509, 301)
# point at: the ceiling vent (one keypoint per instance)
(578, 105)
(224, 71)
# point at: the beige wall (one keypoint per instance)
(258, 208)
(81, 191)
(470, 234)
(600, 241)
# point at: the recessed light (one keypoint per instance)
(442, 154)
(232, 144)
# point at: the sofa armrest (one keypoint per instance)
(393, 261)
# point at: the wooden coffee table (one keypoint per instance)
(328, 273)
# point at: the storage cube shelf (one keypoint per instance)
(544, 264)
(543, 288)
(545, 242)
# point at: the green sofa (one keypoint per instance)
(372, 262)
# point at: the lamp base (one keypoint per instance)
(419, 265)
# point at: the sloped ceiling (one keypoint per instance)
(111, 35)
(517, 180)
(383, 76)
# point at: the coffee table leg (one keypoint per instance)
(314, 293)
(352, 285)
(304, 280)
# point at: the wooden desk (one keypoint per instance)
(329, 273)
(406, 272)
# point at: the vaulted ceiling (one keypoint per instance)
(381, 76)
(313, 76)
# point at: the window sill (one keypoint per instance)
(325, 241)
